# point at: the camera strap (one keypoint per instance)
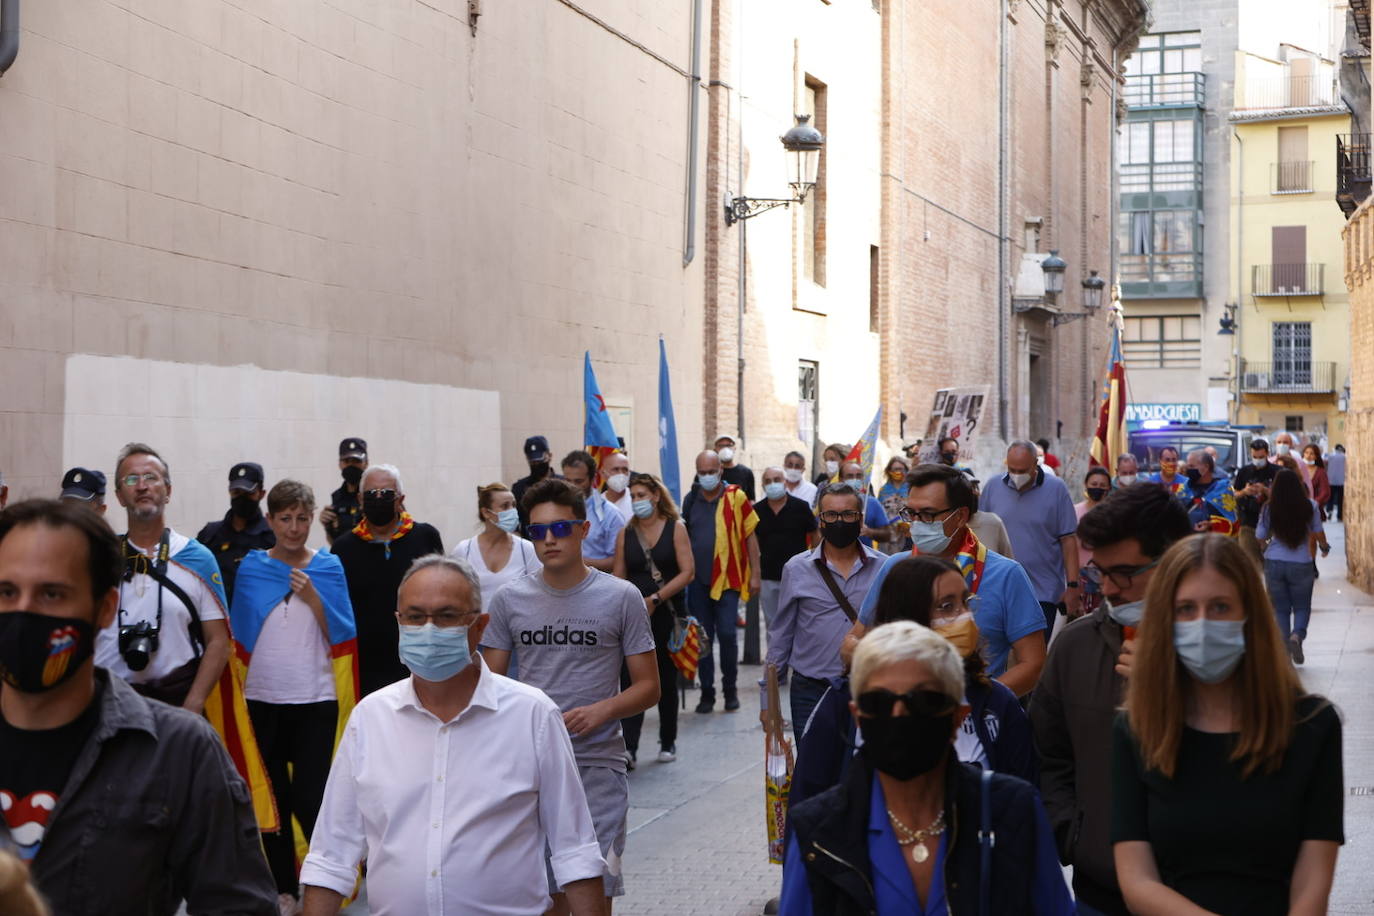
(137, 562)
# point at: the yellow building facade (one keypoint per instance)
(1291, 365)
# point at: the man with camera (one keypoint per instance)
(118, 805)
(170, 640)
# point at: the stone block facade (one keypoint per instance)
(1359, 421)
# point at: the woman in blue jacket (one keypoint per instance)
(911, 830)
(995, 735)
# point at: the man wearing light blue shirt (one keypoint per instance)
(811, 621)
(598, 548)
(939, 503)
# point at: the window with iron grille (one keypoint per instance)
(1163, 342)
(1292, 352)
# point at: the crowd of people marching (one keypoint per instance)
(986, 681)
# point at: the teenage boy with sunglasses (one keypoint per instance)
(376, 554)
(574, 626)
(1084, 680)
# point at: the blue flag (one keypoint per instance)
(598, 435)
(667, 428)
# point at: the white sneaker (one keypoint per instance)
(667, 755)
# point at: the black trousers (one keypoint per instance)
(661, 623)
(300, 736)
(1337, 502)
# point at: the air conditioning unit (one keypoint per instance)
(1256, 381)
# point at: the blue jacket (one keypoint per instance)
(831, 833)
(827, 742)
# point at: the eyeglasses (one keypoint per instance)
(848, 515)
(879, 703)
(925, 515)
(385, 495)
(133, 480)
(442, 619)
(948, 611)
(1121, 576)
(560, 529)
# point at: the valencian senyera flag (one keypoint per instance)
(226, 707)
(1110, 440)
(598, 434)
(863, 450)
(261, 584)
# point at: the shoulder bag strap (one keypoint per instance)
(829, 578)
(649, 555)
(986, 840)
(194, 627)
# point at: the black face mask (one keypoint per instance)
(379, 512)
(39, 652)
(904, 747)
(840, 534)
(539, 468)
(352, 475)
(949, 457)
(246, 508)
(1194, 477)
(1097, 494)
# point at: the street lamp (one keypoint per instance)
(1228, 321)
(1054, 267)
(1092, 291)
(803, 144)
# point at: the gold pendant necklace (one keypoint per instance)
(916, 838)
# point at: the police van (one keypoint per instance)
(1231, 443)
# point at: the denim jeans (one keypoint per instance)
(718, 619)
(804, 693)
(1290, 590)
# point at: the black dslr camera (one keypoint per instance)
(138, 643)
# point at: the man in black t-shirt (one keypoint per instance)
(786, 525)
(731, 470)
(116, 803)
(1251, 484)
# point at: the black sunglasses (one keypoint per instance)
(379, 494)
(879, 702)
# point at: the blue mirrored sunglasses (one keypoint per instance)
(560, 529)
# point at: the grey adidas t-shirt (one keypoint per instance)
(570, 643)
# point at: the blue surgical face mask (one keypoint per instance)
(708, 481)
(1209, 649)
(643, 508)
(929, 537)
(508, 519)
(858, 484)
(774, 490)
(435, 653)
(1127, 614)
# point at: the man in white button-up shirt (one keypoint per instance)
(450, 783)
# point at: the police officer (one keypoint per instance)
(345, 509)
(539, 458)
(85, 486)
(243, 527)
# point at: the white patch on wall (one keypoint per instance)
(204, 419)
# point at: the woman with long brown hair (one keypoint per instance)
(1227, 787)
(1290, 525)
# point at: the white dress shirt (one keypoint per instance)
(452, 817)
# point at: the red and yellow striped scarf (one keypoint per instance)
(364, 530)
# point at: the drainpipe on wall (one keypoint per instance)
(1003, 287)
(9, 33)
(1240, 261)
(689, 250)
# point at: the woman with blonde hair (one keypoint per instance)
(654, 552)
(497, 553)
(1227, 787)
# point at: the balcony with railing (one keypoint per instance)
(1161, 276)
(1298, 376)
(1287, 279)
(1359, 14)
(1165, 90)
(1280, 92)
(1352, 171)
(1291, 177)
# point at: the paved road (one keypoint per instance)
(696, 842)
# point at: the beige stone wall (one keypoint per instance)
(1359, 420)
(352, 189)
